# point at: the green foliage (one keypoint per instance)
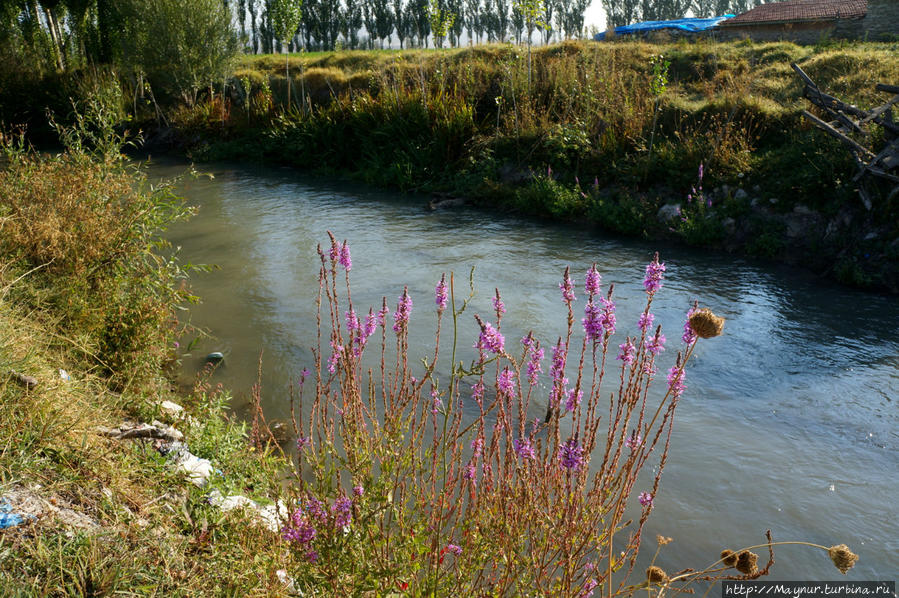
(180, 47)
(286, 16)
(441, 21)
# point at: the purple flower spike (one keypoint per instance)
(689, 336)
(654, 272)
(592, 324)
(440, 294)
(498, 305)
(645, 321)
(571, 455)
(342, 509)
(567, 288)
(344, 259)
(656, 344)
(490, 338)
(573, 399)
(592, 281)
(358, 491)
(645, 499)
(477, 391)
(403, 309)
(506, 382)
(627, 352)
(607, 318)
(524, 449)
(534, 366)
(456, 550)
(633, 441)
(676, 381)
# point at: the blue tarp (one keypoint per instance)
(691, 25)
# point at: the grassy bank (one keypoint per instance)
(86, 338)
(606, 133)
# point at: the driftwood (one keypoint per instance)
(847, 119)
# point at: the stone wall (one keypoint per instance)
(881, 22)
(882, 19)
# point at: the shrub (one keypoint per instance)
(87, 229)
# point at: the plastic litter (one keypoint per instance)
(9, 518)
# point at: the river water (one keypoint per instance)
(790, 419)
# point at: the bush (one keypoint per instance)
(87, 229)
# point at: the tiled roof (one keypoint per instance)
(800, 10)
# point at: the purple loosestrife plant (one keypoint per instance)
(440, 294)
(654, 274)
(450, 471)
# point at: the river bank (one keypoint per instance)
(99, 492)
(697, 142)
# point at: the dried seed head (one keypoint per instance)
(656, 575)
(746, 563)
(729, 557)
(842, 557)
(706, 324)
(662, 540)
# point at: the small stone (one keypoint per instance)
(215, 357)
(730, 225)
(803, 210)
(756, 188)
(64, 375)
(871, 236)
(773, 201)
(725, 190)
(668, 212)
(741, 194)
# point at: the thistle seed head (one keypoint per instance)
(706, 324)
(746, 563)
(729, 557)
(656, 575)
(842, 557)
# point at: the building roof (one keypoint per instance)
(793, 11)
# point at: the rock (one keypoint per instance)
(755, 202)
(730, 225)
(757, 188)
(871, 236)
(803, 210)
(741, 194)
(215, 357)
(773, 201)
(64, 375)
(668, 212)
(449, 202)
(725, 190)
(512, 175)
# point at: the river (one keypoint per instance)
(789, 421)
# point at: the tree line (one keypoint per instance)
(94, 31)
